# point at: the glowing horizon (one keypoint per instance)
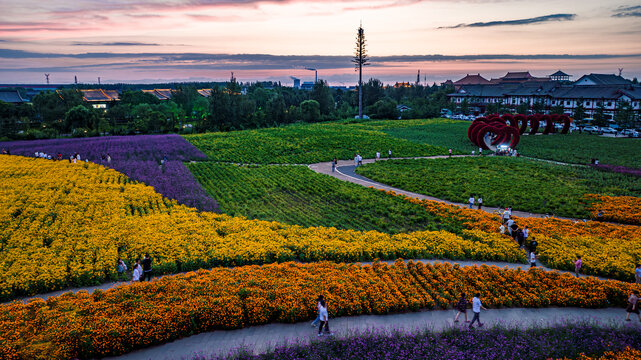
(178, 40)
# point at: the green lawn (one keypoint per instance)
(449, 134)
(297, 195)
(581, 148)
(573, 148)
(527, 185)
(310, 143)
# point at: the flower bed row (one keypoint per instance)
(620, 209)
(607, 250)
(567, 341)
(65, 224)
(120, 320)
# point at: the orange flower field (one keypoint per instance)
(607, 250)
(628, 354)
(622, 209)
(111, 322)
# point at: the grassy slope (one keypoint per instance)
(523, 184)
(309, 143)
(297, 195)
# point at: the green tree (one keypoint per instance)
(538, 106)
(310, 111)
(465, 107)
(372, 92)
(137, 97)
(79, 117)
(579, 113)
(599, 115)
(53, 106)
(384, 109)
(275, 109)
(624, 115)
(557, 109)
(523, 108)
(323, 95)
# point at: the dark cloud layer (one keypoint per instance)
(113, 44)
(534, 20)
(169, 61)
(628, 11)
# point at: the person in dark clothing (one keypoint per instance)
(533, 245)
(520, 237)
(146, 268)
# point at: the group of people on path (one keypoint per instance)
(141, 271)
(471, 201)
(477, 306)
(323, 317)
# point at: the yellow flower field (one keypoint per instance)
(66, 224)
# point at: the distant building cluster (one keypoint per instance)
(593, 91)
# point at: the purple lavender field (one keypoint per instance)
(618, 169)
(138, 157)
(498, 343)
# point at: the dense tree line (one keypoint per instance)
(231, 106)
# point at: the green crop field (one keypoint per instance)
(581, 148)
(449, 134)
(309, 143)
(297, 195)
(526, 185)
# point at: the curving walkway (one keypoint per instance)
(260, 339)
(345, 170)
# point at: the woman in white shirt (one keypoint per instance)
(324, 319)
(137, 271)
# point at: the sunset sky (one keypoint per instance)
(184, 40)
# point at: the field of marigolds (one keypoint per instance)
(247, 245)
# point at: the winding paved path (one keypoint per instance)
(260, 339)
(346, 171)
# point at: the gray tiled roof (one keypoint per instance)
(606, 79)
(11, 97)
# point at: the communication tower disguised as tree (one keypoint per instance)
(360, 59)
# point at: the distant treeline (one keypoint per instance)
(231, 106)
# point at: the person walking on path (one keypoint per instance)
(577, 266)
(533, 245)
(146, 268)
(318, 306)
(360, 160)
(533, 259)
(476, 309)
(637, 274)
(480, 202)
(526, 233)
(389, 153)
(633, 307)
(470, 201)
(378, 155)
(121, 267)
(324, 319)
(461, 308)
(450, 152)
(333, 164)
(137, 271)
